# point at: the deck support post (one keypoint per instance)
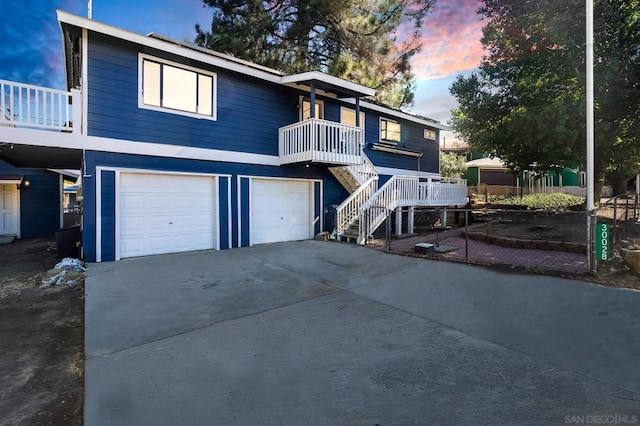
(410, 219)
(399, 221)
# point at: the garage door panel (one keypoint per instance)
(132, 245)
(132, 202)
(132, 225)
(280, 210)
(166, 213)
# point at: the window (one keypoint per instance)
(305, 109)
(348, 116)
(179, 88)
(429, 134)
(389, 131)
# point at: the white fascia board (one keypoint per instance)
(328, 79)
(94, 143)
(66, 172)
(12, 181)
(175, 48)
(207, 56)
(394, 150)
(395, 113)
(388, 171)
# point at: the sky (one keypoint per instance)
(31, 44)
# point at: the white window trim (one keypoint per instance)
(387, 141)
(214, 76)
(320, 102)
(362, 115)
(435, 134)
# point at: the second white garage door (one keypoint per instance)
(163, 213)
(280, 210)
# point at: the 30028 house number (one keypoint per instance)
(602, 241)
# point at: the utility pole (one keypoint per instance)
(590, 205)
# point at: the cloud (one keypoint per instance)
(32, 42)
(450, 40)
(433, 100)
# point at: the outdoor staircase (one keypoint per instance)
(368, 206)
(362, 182)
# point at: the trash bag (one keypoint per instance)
(69, 272)
(70, 264)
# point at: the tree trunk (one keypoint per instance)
(619, 184)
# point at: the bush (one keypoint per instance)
(545, 201)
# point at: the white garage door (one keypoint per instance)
(280, 211)
(166, 214)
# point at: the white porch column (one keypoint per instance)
(399, 221)
(443, 219)
(76, 99)
(410, 219)
(312, 101)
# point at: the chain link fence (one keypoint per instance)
(521, 240)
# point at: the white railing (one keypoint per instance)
(25, 105)
(446, 192)
(347, 211)
(320, 141)
(402, 191)
(364, 171)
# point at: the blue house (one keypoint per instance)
(30, 201)
(183, 148)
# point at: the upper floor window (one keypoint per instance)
(389, 131)
(305, 109)
(429, 134)
(181, 89)
(348, 116)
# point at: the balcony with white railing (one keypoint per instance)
(35, 107)
(320, 141)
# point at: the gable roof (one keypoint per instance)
(342, 88)
(487, 163)
(214, 58)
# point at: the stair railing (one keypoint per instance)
(348, 210)
(364, 171)
(397, 191)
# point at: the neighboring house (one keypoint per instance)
(184, 148)
(30, 202)
(492, 171)
(489, 171)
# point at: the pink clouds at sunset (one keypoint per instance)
(450, 40)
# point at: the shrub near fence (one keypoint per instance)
(490, 193)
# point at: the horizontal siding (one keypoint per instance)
(249, 111)
(40, 205)
(39, 202)
(412, 138)
(396, 161)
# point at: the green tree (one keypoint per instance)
(352, 39)
(526, 104)
(452, 165)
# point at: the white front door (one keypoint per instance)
(8, 209)
(280, 210)
(165, 213)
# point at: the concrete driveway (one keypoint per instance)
(321, 333)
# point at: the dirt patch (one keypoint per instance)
(548, 226)
(564, 227)
(41, 370)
